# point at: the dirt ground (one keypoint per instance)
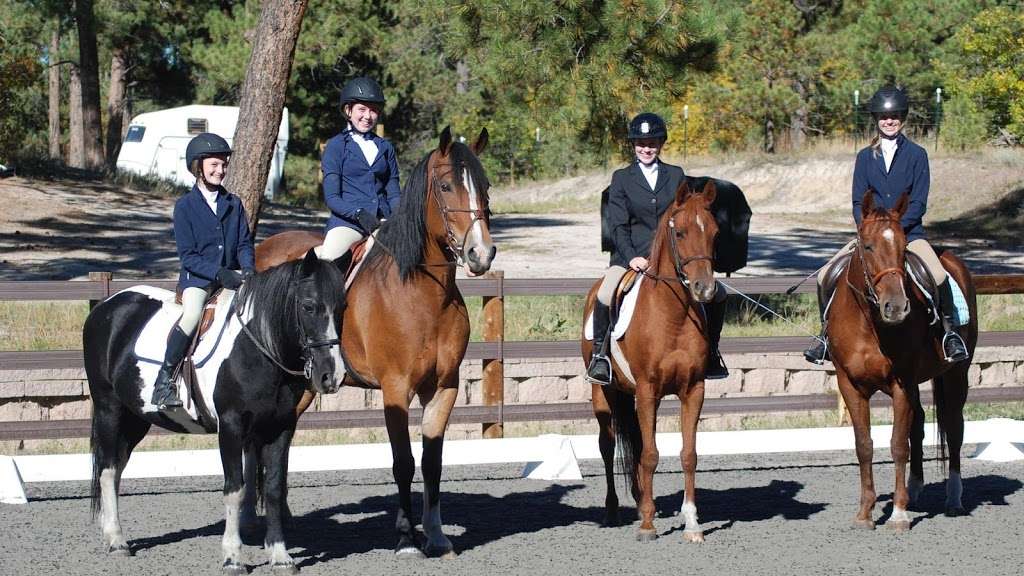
(64, 229)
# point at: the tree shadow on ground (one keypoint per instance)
(999, 222)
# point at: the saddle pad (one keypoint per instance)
(210, 353)
(625, 314)
(367, 245)
(963, 312)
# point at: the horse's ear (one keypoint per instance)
(310, 263)
(868, 204)
(682, 191)
(444, 145)
(710, 192)
(480, 143)
(903, 203)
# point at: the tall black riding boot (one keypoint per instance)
(715, 369)
(953, 346)
(165, 394)
(818, 353)
(600, 369)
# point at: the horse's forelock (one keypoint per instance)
(464, 159)
(267, 295)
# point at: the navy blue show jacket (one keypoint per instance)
(208, 242)
(350, 184)
(908, 172)
(634, 209)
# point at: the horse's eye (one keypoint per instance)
(446, 187)
(869, 247)
(308, 307)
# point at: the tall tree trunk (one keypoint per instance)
(54, 89)
(798, 118)
(116, 104)
(89, 73)
(262, 101)
(76, 133)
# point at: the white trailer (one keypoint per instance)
(156, 141)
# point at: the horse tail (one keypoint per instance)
(939, 399)
(94, 446)
(627, 435)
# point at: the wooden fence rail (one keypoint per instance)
(493, 351)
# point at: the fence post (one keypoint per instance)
(104, 279)
(492, 383)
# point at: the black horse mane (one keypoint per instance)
(270, 297)
(403, 236)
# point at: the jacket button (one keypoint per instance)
(654, 201)
(220, 247)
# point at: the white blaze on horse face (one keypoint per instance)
(339, 362)
(700, 223)
(474, 203)
(889, 235)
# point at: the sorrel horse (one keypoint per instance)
(883, 338)
(663, 352)
(406, 325)
(286, 313)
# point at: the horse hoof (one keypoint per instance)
(864, 524)
(611, 520)
(234, 568)
(646, 535)
(119, 550)
(285, 568)
(898, 526)
(955, 511)
(696, 536)
(409, 553)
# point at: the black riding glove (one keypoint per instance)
(368, 222)
(229, 279)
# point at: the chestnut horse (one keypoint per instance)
(884, 338)
(663, 352)
(407, 325)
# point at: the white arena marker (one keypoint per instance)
(559, 461)
(1000, 452)
(12, 490)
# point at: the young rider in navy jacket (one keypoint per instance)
(638, 196)
(211, 232)
(360, 171)
(891, 165)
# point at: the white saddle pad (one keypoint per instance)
(211, 352)
(625, 314)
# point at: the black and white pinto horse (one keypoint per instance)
(275, 336)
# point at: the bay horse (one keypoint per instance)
(406, 324)
(663, 352)
(883, 338)
(288, 314)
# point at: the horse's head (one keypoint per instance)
(318, 311)
(458, 184)
(881, 248)
(689, 230)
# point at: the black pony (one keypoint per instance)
(279, 319)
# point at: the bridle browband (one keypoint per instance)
(308, 345)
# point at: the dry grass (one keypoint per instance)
(43, 325)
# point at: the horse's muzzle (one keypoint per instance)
(894, 310)
(479, 258)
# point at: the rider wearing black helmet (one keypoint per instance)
(211, 233)
(638, 196)
(889, 167)
(360, 171)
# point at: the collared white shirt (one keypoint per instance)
(650, 172)
(367, 145)
(888, 150)
(210, 196)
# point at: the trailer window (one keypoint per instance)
(135, 134)
(196, 125)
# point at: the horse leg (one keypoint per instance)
(915, 483)
(436, 410)
(230, 440)
(275, 460)
(691, 407)
(606, 443)
(899, 445)
(951, 387)
(647, 412)
(115, 432)
(860, 416)
(396, 418)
